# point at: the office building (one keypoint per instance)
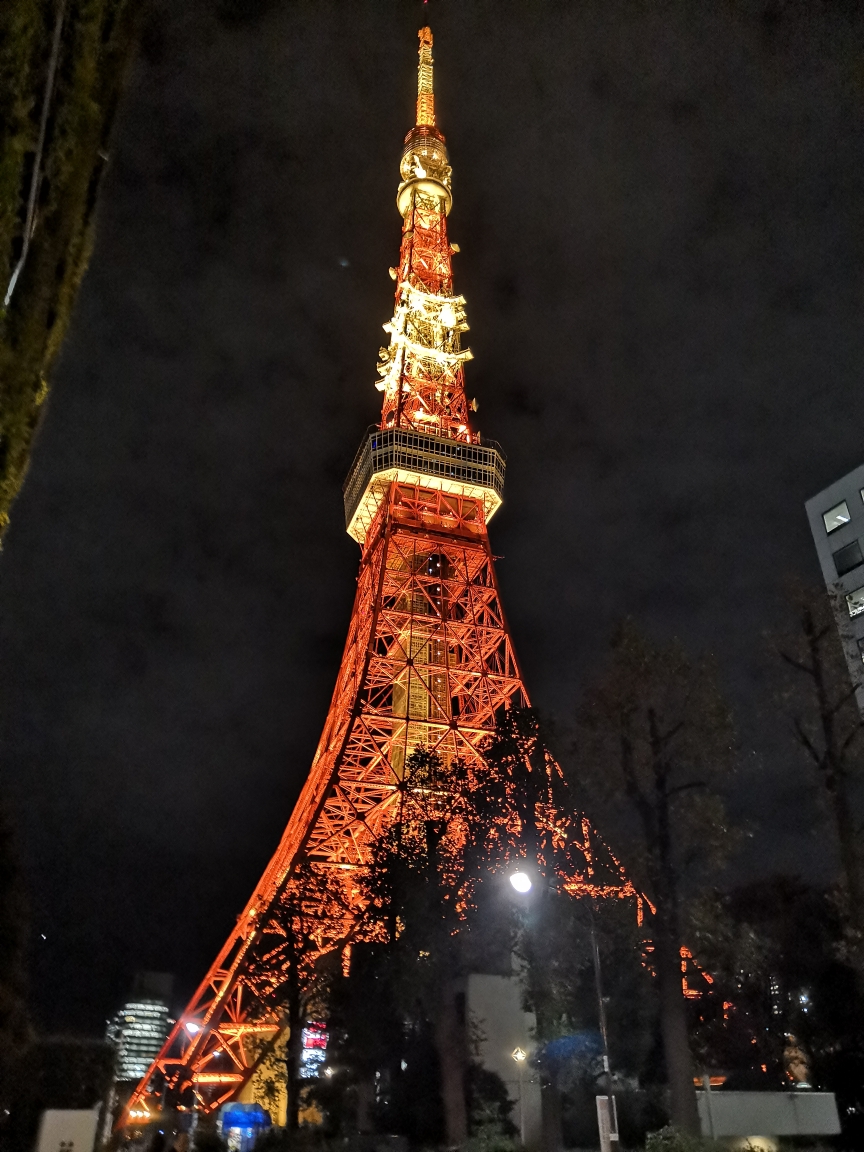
(142, 1025)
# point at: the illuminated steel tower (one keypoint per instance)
(428, 662)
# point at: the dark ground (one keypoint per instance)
(659, 212)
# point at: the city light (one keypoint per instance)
(193, 1029)
(137, 1033)
(521, 881)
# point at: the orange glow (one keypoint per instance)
(689, 966)
(218, 1078)
(425, 95)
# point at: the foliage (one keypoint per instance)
(302, 1140)
(671, 1139)
(276, 1140)
(372, 1031)
(511, 796)
(305, 990)
(772, 947)
(489, 1108)
(207, 1139)
(96, 45)
(436, 908)
(488, 1134)
(430, 918)
(735, 1027)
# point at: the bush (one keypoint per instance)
(489, 1132)
(670, 1139)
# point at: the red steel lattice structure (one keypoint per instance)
(428, 661)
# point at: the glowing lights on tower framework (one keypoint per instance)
(428, 660)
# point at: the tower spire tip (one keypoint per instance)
(425, 93)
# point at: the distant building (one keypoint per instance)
(141, 1027)
(836, 518)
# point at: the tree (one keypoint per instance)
(15, 1035)
(525, 814)
(819, 698)
(309, 900)
(517, 801)
(62, 64)
(655, 742)
(436, 908)
(429, 920)
(416, 893)
(771, 946)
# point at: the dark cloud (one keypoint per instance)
(658, 208)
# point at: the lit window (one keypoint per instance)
(848, 558)
(855, 601)
(836, 517)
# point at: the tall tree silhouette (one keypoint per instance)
(819, 699)
(655, 744)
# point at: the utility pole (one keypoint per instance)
(607, 1111)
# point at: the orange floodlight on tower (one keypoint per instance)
(428, 662)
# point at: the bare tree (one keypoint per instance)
(655, 741)
(819, 698)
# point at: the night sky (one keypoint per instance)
(659, 211)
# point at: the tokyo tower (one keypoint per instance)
(429, 661)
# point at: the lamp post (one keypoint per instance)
(520, 1055)
(522, 883)
(611, 1118)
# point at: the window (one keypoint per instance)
(836, 517)
(845, 559)
(855, 601)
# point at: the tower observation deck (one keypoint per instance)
(428, 661)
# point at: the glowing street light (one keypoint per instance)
(521, 881)
(520, 1056)
(192, 1029)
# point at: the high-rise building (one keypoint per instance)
(836, 518)
(141, 1027)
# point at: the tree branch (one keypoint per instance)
(685, 787)
(797, 664)
(807, 742)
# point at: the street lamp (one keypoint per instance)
(520, 1056)
(521, 881)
